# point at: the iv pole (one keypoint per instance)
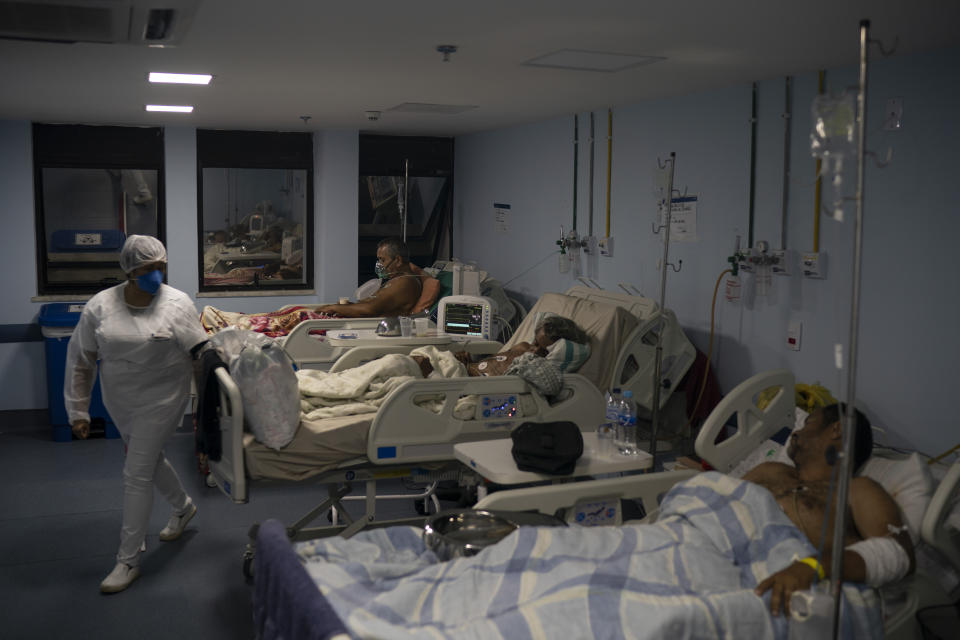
(658, 361)
(849, 419)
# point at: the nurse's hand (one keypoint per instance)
(81, 429)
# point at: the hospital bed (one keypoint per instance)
(308, 344)
(405, 439)
(282, 580)
(934, 583)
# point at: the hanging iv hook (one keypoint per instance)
(883, 51)
(881, 164)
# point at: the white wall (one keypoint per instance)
(22, 366)
(907, 342)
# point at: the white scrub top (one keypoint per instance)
(145, 363)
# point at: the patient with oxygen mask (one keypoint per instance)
(397, 296)
(877, 547)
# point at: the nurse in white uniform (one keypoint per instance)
(143, 332)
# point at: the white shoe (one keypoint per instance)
(177, 523)
(120, 578)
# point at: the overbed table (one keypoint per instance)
(493, 460)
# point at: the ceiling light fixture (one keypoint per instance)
(180, 78)
(170, 108)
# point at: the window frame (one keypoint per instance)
(232, 149)
(81, 146)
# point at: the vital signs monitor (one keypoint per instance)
(468, 316)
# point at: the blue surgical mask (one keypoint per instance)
(380, 270)
(150, 282)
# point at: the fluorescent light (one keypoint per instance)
(602, 61)
(181, 78)
(167, 107)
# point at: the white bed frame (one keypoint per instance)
(636, 345)
(753, 427)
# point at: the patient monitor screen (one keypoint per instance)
(464, 319)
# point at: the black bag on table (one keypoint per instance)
(547, 447)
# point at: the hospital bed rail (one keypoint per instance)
(309, 351)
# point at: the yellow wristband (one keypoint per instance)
(813, 564)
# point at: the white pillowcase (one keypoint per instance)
(908, 481)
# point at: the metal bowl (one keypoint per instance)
(389, 326)
(460, 534)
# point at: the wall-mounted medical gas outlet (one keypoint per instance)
(606, 246)
(590, 245)
(782, 261)
(794, 330)
(814, 265)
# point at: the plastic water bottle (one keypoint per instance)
(607, 431)
(628, 425)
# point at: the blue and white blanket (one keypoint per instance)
(690, 575)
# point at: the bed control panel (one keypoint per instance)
(596, 512)
(498, 406)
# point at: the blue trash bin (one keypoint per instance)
(57, 322)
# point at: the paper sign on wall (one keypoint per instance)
(683, 219)
(501, 218)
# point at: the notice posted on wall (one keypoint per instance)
(501, 218)
(683, 218)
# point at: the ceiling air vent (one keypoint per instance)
(428, 107)
(97, 21)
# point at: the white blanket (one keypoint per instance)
(363, 389)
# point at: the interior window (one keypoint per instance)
(256, 209)
(93, 187)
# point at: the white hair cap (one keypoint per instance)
(140, 250)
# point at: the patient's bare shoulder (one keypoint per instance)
(768, 472)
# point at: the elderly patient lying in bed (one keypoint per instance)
(558, 344)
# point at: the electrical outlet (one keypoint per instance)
(814, 265)
(782, 261)
(893, 115)
(794, 330)
(606, 246)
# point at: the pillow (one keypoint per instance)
(568, 355)
(910, 483)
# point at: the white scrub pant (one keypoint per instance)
(145, 468)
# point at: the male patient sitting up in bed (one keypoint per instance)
(877, 547)
(559, 346)
(396, 297)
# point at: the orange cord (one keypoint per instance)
(706, 366)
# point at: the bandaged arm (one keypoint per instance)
(886, 552)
